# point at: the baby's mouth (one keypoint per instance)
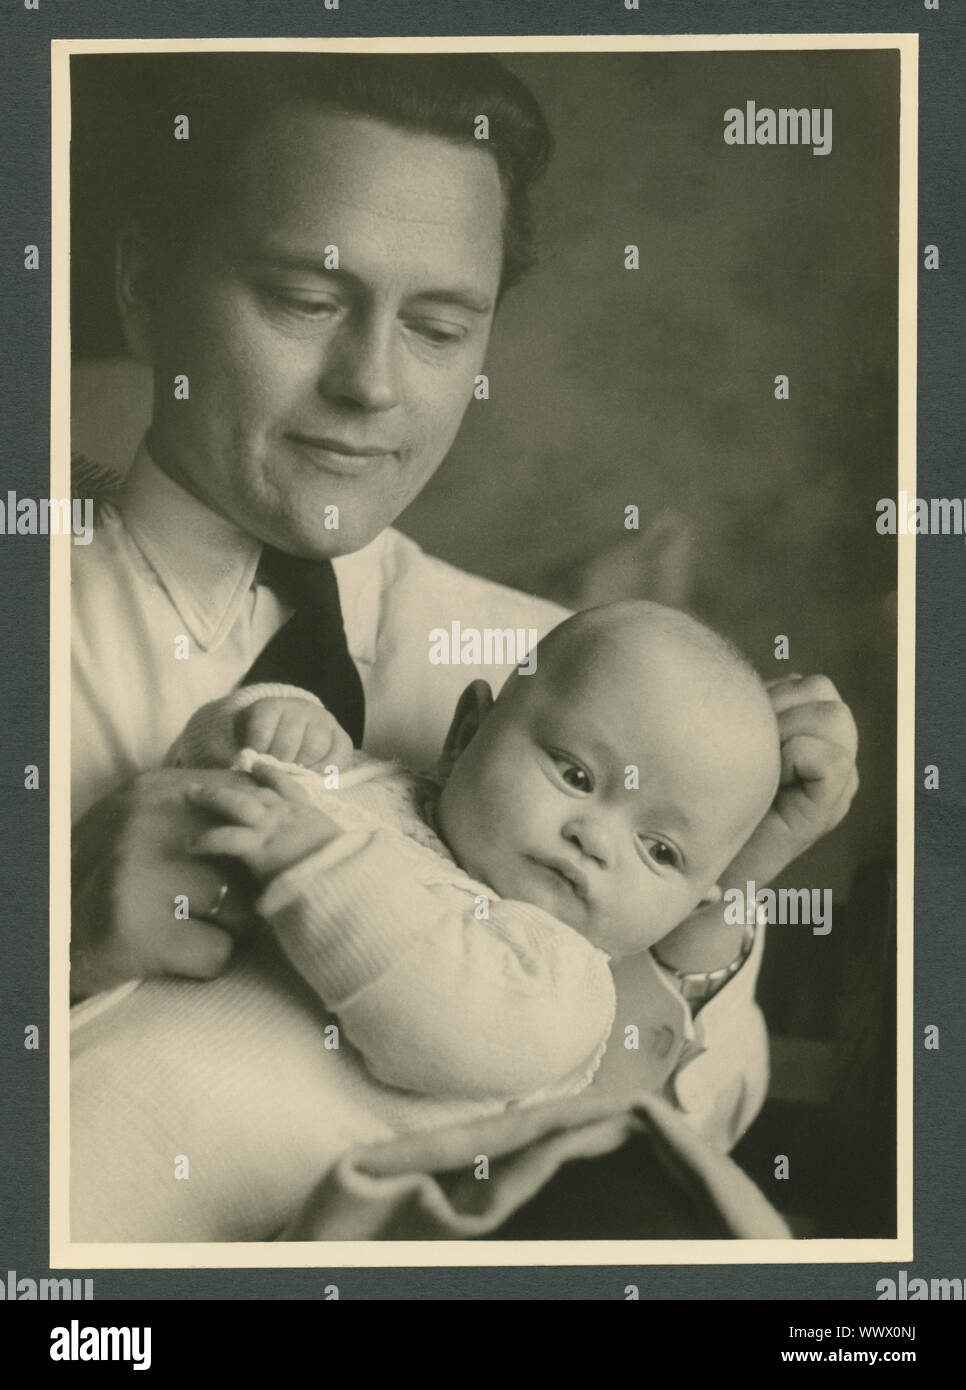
(566, 872)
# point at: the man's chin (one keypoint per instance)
(323, 543)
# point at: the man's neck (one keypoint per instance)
(165, 459)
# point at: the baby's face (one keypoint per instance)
(614, 798)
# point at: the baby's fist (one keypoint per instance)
(294, 731)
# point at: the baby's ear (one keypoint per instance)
(472, 708)
(713, 895)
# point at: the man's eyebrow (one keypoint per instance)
(460, 296)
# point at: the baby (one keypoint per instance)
(450, 944)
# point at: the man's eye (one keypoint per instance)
(299, 304)
(661, 852)
(440, 335)
(572, 773)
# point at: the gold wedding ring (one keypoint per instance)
(218, 904)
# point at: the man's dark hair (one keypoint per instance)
(172, 186)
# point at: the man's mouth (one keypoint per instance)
(566, 872)
(340, 455)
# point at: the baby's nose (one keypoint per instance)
(590, 838)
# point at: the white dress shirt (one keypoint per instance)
(167, 616)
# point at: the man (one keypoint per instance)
(312, 276)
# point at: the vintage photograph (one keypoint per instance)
(483, 694)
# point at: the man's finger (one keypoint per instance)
(287, 786)
(200, 880)
(801, 690)
(827, 720)
(779, 680)
(235, 841)
(197, 949)
(805, 758)
(841, 807)
(241, 807)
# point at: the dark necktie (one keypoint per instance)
(310, 650)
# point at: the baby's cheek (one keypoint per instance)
(498, 802)
(659, 909)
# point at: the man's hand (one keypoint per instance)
(130, 861)
(270, 826)
(819, 741)
(294, 731)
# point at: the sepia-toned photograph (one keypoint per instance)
(484, 642)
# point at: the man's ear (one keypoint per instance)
(472, 708)
(135, 271)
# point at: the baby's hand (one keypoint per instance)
(294, 731)
(270, 826)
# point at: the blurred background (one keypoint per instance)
(655, 388)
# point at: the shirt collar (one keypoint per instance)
(204, 561)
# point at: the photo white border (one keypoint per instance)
(65, 1254)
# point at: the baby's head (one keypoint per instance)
(616, 783)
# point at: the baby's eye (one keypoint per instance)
(572, 773)
(661, 852)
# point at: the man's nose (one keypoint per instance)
(360, 364)
(591, 837)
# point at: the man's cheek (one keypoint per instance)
(441, 410)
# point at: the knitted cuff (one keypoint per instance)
(209, 738)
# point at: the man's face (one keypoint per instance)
(312, 387)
